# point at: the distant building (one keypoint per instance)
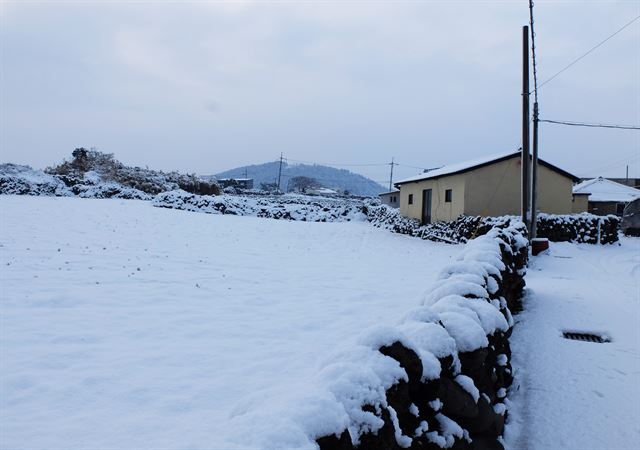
(606, 196)
(488, 186)
(321, 191)
(633, 182)
(240, 183)
(391, 198)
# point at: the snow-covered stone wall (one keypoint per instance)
(441, 376)
(287, 207)
(581, 228)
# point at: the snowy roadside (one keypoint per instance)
(572, 394)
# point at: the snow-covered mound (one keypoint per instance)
(23, 180)
(105, 168)
(288, 207)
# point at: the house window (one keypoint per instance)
(447, 195)
(411, 199)
(620, 208)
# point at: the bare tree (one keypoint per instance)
(301, 184)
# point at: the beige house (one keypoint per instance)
(488, 186)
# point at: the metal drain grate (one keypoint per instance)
(586, 337)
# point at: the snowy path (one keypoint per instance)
(574, 394)
(125, 326)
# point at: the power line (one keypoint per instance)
(609, 166)
(332, 164)
(588, 52)
(592, 125)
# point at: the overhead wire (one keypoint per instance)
(592, 125)
(619, 30)
(335, 164)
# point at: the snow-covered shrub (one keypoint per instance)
(439, 378)
(107, 169)
(23, 180)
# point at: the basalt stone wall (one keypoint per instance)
(283, 207)
(453, 396)
(582, 228)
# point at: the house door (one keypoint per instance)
(426, 206)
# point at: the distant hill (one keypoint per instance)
(330, 177)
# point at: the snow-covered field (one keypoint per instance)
(125, 326)
(574, 394)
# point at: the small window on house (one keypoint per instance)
(411, 199)
(447, 195)
(620, 208)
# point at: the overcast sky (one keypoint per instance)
(206, 86)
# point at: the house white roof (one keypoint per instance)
(603, 190)
(323, 190)
(389, 192)
(465, 166)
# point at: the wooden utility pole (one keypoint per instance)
(525, 128)
(391, 176)
(626, 179)
(280, 172)
(534, 174)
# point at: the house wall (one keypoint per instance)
(603, 208)
(495, 190)
(580, 204)
(555, 192)
(492, 190)
(440, 210)
(391, 199)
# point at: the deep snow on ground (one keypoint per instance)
(574, 394)
(129, 326)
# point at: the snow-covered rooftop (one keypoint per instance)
(464, 166)
(603, 190)
(395, 191)
(458, 167)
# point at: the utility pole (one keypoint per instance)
(626, 179)
(534, 173)
(280, 172)
(245, 174)
(525, 127)
(391, 176)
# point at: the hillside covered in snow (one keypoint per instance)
(330, 177)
